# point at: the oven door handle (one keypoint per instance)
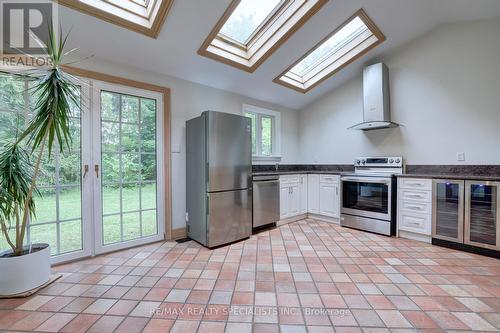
(366, 180)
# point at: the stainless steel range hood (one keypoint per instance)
(376, 99)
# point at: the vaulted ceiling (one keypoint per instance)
(189, 22)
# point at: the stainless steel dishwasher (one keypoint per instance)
(266, 200)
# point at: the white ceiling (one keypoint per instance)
(189, 22)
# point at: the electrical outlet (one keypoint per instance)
(187, 217)
(460, 156)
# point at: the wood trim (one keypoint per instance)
(152, 32)
(179, 233)
(366, 20)
(203, 50)
(160, 17)
(166, 128)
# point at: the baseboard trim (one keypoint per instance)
(291, 219)
(323, 218)
(414, 236)
(179, 233)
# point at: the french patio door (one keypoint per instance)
(102, 193)
(125, 169)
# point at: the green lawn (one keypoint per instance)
(70, 208)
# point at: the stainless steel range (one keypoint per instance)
(368, 200)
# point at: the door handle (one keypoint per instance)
(85, 170)
(96, 168)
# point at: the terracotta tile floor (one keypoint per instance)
(307, 276)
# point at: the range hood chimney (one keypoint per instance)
(376, 99)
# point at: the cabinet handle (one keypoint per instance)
(337, 190)
(414, 195)
(414, 207)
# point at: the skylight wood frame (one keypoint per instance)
(280, 25)
(142, 16)
(304, 86)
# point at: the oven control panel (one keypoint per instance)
(388, 162)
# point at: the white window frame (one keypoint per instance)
(275, 135)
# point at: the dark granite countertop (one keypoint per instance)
(294, 169)
(469, 172)
(450, 176)
(272, 173)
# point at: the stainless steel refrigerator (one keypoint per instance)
(218, 178)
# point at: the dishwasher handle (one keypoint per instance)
(265, 178)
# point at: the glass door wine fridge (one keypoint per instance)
(482, 214)
(448, 210)
(467, 212)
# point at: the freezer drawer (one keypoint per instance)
(266, 201)
(229, 216)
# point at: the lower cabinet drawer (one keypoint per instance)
(329, 179)
(415, 206)
(415, 222)
(415, 183)
(415, 195)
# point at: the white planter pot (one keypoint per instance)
(24, 273)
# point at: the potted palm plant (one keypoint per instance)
(24, 266)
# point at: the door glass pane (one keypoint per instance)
(59, 182)
(447, 209)
(131, 197)
(71, 236)
(128, 167)
(149, 222)
(111, 229)
(131, 226)
(483, 214)
(366, 196)
(70, 203)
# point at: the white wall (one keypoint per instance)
(188, 100)
(445, 90)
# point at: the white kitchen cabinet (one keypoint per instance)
(313, 194)
(294, 207)
(290, 196)
(303, 194)
(329, 201)
(284, 201)
(414, 218)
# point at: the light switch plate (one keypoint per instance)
(176, 148)
(460, 156)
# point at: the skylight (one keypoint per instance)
(350, 41)
(247, 17)
(144, 16)
(251, 30)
